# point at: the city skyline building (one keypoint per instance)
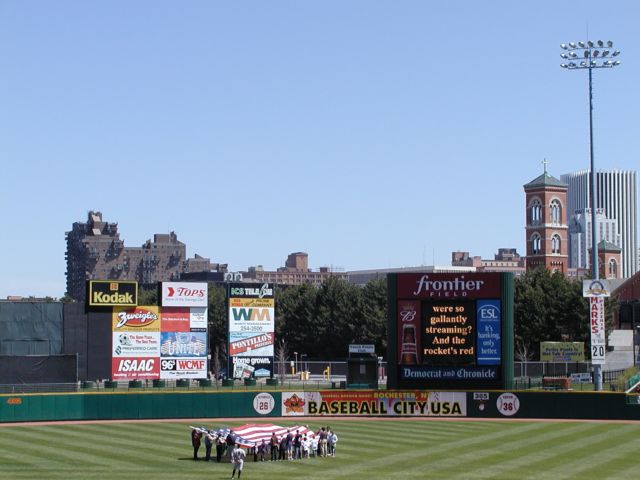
(96, 252)
(616, 195)
(580, 236)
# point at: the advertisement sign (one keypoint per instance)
(561, 351)
(135, 368)
(183, 344)
(251, 329)
(251, 290)
(489, 336)
(447, 286)
(596, 288)
(110, 293)
(259, 367)
(251, 345)
(409, 328)
(375, 403)
(183, 367)
(136, 344)
(136, 319)
(597, 327)
(184, 294)
(198, 319)
(175, 319)
(251, 315)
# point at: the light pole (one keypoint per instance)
(587, 56)
(295, 368)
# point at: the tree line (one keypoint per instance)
(321, 322)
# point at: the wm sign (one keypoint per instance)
(239, 314)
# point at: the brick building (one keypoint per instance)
(546, 224)
(96, 252)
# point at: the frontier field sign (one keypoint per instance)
(450, 330)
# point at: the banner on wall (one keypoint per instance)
(375, 403)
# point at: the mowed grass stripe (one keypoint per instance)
(516, 459)
(409, 452)
(64, 444)
(589, 454)
(366, 450)
(511, 449)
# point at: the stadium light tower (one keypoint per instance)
(588, 56)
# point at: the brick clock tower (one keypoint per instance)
(546, 228)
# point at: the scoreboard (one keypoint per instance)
(450, 330)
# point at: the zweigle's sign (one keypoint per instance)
(449, 330)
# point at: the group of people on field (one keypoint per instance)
(294, 445)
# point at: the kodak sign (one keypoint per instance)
(106, 293)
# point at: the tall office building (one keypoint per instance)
(616, 195)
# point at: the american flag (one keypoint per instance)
(252, 434)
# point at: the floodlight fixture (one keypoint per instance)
(609, 44)
(600, 43)
(563, 46)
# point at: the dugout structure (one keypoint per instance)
(450, 330)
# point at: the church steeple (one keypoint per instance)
(546, 223)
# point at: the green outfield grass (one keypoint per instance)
(367, 449)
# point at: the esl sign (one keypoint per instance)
(450, 330)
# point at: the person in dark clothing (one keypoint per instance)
(195, 442)
(208, 443)
(231, 443)
(219, 448)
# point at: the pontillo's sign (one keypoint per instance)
(375, 403)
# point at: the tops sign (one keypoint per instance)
(248, 290)
(442, 286)
(106, 293)
(184, 294)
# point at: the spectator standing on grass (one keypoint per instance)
(322, 442)
(219, 448)
(332, 439)
(231, 443)
(208, 443)
(314, 446)
(237, 458)
(274, 447)
(306, 445)
(297, 445)
(195, 442)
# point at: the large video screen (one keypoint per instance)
(449, 331)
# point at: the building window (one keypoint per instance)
(613, 268)
(555, 244)
(536, 244)
(536, 212)
(555, 210)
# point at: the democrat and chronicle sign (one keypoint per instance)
(449, 330)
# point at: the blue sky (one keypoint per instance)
(370, 134)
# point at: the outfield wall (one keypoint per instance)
(332, 403)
